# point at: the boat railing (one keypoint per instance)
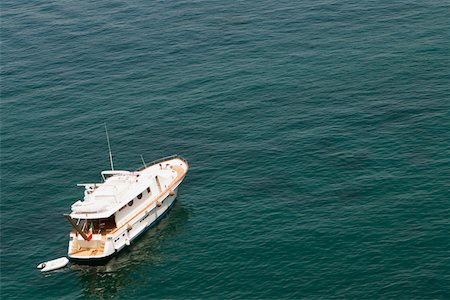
(161, 160)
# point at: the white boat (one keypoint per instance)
(115, 212)
(53, 264)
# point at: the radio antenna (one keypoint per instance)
(143, 161)
(109, 147)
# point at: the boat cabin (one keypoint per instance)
(99, 226)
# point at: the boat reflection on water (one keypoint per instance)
(106, 280)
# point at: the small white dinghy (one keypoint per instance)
(53, 264)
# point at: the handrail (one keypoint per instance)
(161, 160)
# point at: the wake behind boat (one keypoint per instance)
(117, 211)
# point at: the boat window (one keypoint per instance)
(130, 203)
(148, 190)
(107, 225)
(139, 196)
(102, 226)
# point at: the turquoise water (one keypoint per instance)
(317, 134)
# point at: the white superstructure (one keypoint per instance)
(113, 213)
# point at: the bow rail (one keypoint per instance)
(161, 160)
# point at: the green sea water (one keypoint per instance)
(317, 134)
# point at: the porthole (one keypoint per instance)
(139, 196)
(130, 203)
(148, 190)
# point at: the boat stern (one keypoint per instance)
(97, 248)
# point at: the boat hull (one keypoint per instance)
(104, 259)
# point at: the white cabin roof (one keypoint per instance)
(101, 200)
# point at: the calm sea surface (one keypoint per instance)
(317, 132)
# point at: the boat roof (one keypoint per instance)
(103, 199)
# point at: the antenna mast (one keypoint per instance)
(143, 161)
(109, 147)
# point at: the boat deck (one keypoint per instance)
(90, 251)
(179, 170)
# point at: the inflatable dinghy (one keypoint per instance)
(53, 264)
